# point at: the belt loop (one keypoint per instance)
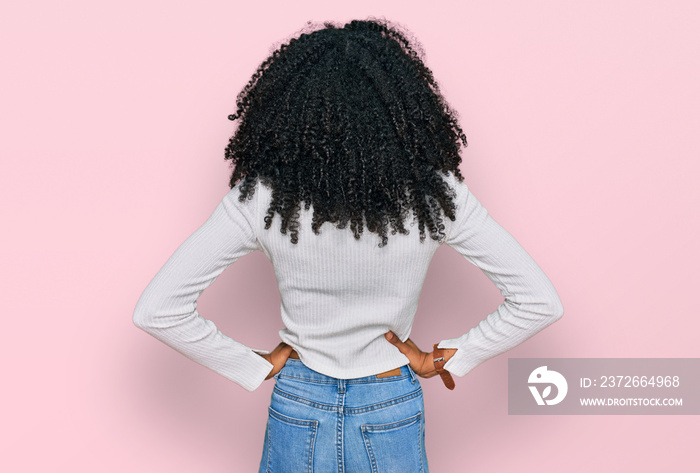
(341, 386)
(412, 373)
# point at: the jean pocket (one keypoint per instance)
(395, 447)
(290, 443)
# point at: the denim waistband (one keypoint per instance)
(296, 369)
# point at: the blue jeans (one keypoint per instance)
(321, 424)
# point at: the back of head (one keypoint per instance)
(349, 121)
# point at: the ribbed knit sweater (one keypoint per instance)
(340, 295)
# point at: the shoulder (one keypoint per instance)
(238, 205)
(460, 191)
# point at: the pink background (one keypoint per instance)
(582, 121)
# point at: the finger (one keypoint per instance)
(286, 350)
(281, 353)
(396, 341)
(410, 343)
(280, 347)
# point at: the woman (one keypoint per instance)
(349, 122)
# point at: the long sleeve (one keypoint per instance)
(531, 302)
(167, 309)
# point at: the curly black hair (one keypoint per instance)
(348, 120)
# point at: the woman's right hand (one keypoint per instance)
(419, 361)
(278, 357)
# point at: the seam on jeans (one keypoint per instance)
(292, 420)
(381, 405)
(370, 453)
(269, 451)
(312, 441)
(392, 425)
(339, 426)
(362, 380)
(309, 380)
(301, 400)
(389, 379)
(421, 442)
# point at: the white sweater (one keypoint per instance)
(340, 295)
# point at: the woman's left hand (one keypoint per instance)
(420, 361)
(278, 358)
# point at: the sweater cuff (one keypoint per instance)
(462, 362)
(256, 370)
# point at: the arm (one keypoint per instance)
(531, 302)
(167, 309)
